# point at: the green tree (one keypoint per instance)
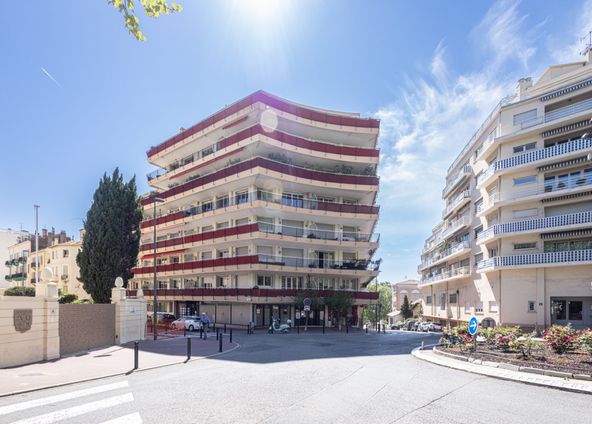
(406, 308)
(385, 297)
(111, 238)
(152, 8)
(339, 304)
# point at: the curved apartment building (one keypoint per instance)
(257, 203)
(514, 246)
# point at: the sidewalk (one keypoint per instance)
(578, 386)
(106, 362)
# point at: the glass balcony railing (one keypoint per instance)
(559, 113)
(445, 253)
(446, 275)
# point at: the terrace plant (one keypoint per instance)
(561, 339)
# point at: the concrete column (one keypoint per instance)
(130, 314)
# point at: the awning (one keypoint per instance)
(158, 255)
(566, 90)
(563, 164)
(566, 128)
(565, 234)
(567, 197)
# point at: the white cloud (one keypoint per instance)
(563, 51)
(426, 127)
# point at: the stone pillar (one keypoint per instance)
(130, 314)
(47, 290)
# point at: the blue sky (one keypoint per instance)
(79, 96)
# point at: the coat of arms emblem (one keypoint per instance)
(23, 319)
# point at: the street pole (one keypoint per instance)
(154, 322)
(36, 244)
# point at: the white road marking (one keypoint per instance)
(75, 411)
(134, 418)
(9, 409)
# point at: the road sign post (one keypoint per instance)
(473, 327)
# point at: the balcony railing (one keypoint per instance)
(456, 201)
(253, 292)
(556, 185)
(537, 224)
(19, 276)
(465, 170)
(354, 264)
(438, 256)
(265, 196)
(455, 226)
(559, 113)
(270, 165)
(268, 228)
(448, 274)
(541, 154)
(565, 257)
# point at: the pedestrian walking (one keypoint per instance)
(205, 323)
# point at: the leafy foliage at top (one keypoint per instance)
(152, 8)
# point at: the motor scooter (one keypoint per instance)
(281, 328)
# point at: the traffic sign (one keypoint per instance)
(306, 308)
(307, 302)
(473, 326)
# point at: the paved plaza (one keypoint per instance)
(331, 378)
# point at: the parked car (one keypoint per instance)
(409, 325)
(192, 323)
(163, 318)
(424, 326)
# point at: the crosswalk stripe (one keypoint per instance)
(75, 411)
(134, 418)
(9, 409)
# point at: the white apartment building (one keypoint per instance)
(259, 202)
(515, 242)
(14, 250)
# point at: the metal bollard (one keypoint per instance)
(225, 328)
(421, 348)
(201, 332)
(184, 331)
(346, 328)
(136, 350)
(217, 333)
(220, 347)
(231, 335)
(366, 329)
(188, 348)
(298, 329)
(384, 328)
(323, 326)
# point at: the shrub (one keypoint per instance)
(505, 342)
(488, 333)
(68, 298)
(524, 346)
(585, 340)
(561, 339)
(20, 291)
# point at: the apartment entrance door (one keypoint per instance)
(574, 311)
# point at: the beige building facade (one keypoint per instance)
(261, 201)
(409, 288)
(15, 247)
(514, 246)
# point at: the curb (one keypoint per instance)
(508, 377)
(68, 383)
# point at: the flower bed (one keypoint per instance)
(561, 348)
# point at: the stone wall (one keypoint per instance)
(86, 326)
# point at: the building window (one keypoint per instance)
(467, 308)
(242, 197)
(442, 301)
(264, 280)
(290, 199)
(66, 253)
(525, 246)
(428, 300)
(531, 306)
(479, 308)
(222, 202)
(452, 298)
(529, 115)
(206, 206)
(525, 180)
(524, 147)
(492, 306)
(525, 213)
(291, 282)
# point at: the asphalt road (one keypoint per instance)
(332, 378)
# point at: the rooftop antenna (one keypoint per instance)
(588, 47)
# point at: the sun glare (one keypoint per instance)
(261, 11)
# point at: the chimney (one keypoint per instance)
(523, 85)
(82, 233)
(63, 237)
(44, 233)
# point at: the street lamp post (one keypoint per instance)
(36, 244)
(156, 199)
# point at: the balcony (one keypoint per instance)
(19, 276)
(270, 165)
(269, 197)
(457, 203)
(559, 222)
(268, 228)
(249, 260)
(535, 260)
(560, 113)
(462, 174)
(445, 254)
(547, 189)
(252, 293)
(454, 226)
(452, 274)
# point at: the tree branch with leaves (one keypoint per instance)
(152, 8)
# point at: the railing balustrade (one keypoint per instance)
(456, 201)
(568, 256)
(444, 275)
(465, 170)
(445, 253)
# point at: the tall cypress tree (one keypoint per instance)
(406, 310)
(111, 239)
